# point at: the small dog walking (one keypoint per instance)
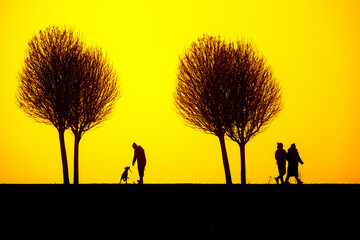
(124, 176)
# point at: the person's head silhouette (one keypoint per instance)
(279, 145)
(134, 145)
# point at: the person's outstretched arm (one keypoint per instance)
(134, 159)
(300, 161)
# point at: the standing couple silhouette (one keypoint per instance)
(293, 158)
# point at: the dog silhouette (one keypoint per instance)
(124, 176)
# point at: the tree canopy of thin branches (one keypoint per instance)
(256, 97)
(226, 88)
(93, 98)
(64, 84)
(202, 95)
(45, 82)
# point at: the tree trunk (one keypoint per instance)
(76, 158)
(63, 156)
(225, 160)
(242, 160)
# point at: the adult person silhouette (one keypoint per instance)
(139, 155)
(293, 159)
(280, 156)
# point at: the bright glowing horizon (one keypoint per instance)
(313, 48)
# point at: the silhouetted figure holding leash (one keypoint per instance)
(280, 156)
(124, 176)
(139, 155)
(293, 159)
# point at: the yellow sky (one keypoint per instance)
(312, 46)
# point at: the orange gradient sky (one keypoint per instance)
(312, 46)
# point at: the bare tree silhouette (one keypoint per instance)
(45, 81)
(93, 97)
(257, 97)
(202, 95)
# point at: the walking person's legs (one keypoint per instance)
(298, 180)
(282, 172)
(277, 179)
(141, 173)
(287, 179)
(281, 179)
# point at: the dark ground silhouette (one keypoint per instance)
(179, 210)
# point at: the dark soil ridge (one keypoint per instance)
(100, 209)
